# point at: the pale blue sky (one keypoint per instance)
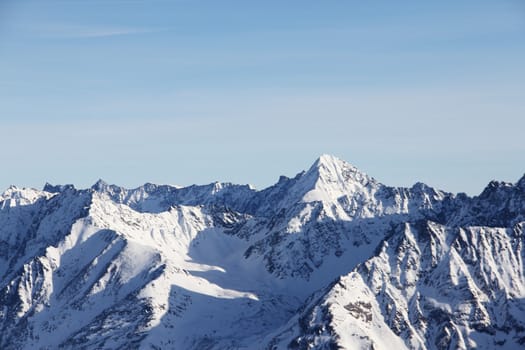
(193, 91)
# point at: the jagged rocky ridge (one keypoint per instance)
(328, 259)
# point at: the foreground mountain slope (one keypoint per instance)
(330, 258)
(429, 285)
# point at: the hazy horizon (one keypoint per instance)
(180, 92)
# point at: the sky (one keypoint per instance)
(194, 91)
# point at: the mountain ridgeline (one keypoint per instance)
(328, 259)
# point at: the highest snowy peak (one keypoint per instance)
(332, 169)
(334, 178)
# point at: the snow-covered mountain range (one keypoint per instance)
(329, 259)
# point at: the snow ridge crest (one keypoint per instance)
(330, 258)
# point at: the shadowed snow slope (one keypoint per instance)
(328, 259)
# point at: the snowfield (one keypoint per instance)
(329, 259)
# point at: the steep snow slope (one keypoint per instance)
(429, 285)
(329, 258)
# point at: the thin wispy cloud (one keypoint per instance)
(86, 32)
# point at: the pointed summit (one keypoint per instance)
(330, 161)
(100, 185)
(331, 169)
(333, 178)
(326, 159)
